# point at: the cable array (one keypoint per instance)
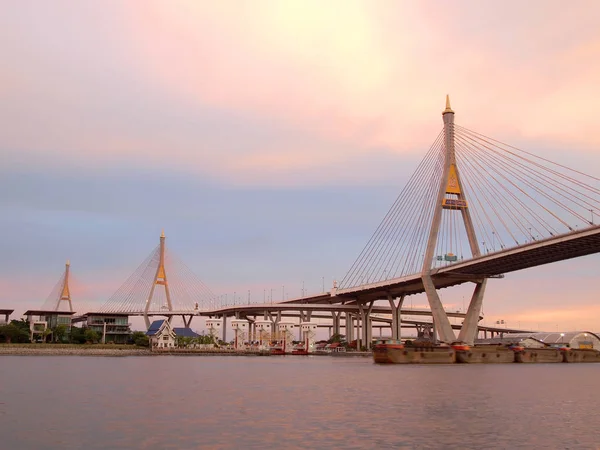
(517, 197)
(52, 302)
(513, 198)
(186, 291)
(396, 247)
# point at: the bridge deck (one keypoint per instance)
(554, 249)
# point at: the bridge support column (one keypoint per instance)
(358, 327)
(336, 317)
(187, 323)
(349, 327)
(442, 323)
(300, 320)
(224, 339)
(365, 318)
(468, 331)
(396, 316)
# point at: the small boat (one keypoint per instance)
(299, 349)
(393, 351)
(277, 351)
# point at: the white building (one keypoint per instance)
(309, 332)
(161, 334)
(214, 327)
(571, 339)
(241, 332)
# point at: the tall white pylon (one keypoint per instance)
(160, 278)
(65, 293)
(451, 197)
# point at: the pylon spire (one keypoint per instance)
(448, 109)
(160, 278)
(65, 293)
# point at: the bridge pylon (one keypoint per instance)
(451, 197)
(61, 294)
(160, 279)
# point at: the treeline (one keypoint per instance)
(17, 332)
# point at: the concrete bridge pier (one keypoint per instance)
(349, 327)
(396, 326)
(365, 318)
(224, 328)
(337, 318)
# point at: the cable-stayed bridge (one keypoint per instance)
(475, 208)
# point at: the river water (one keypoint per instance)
(189, 402)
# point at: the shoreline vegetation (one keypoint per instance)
(124, 350)
(72, 349)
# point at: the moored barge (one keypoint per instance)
(393, 351)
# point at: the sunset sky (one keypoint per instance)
(270, 138)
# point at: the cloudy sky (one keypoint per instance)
(268, 139)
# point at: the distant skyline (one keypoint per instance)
(269, 139)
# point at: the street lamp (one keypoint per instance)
(562, 335)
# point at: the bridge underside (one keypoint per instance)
(574, 245)
(537, 253)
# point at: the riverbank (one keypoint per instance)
(129, 350)
(71, 349)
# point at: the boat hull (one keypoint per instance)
(581, 355)
(300, 352)
(485, 355)
(414, 355)
(539, 355)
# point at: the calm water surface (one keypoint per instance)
(187, 402)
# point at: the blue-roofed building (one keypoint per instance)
(154, 327)
(162, 334)
(185, 332)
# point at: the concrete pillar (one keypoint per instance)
(300, 320)
(349, 327)
(337, 318)
(224, 328)
(468, 331)
(358, 329)
(365, 313)
(396, 316)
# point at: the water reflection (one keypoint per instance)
(171, 402)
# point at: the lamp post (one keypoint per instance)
(562, 335)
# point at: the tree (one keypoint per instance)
(180, 341)
(91, 336)
(47, 332)
(142, 340)
(60, 331)
(12, 333)
(77, 335)
(135, 336)
(337, 338)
